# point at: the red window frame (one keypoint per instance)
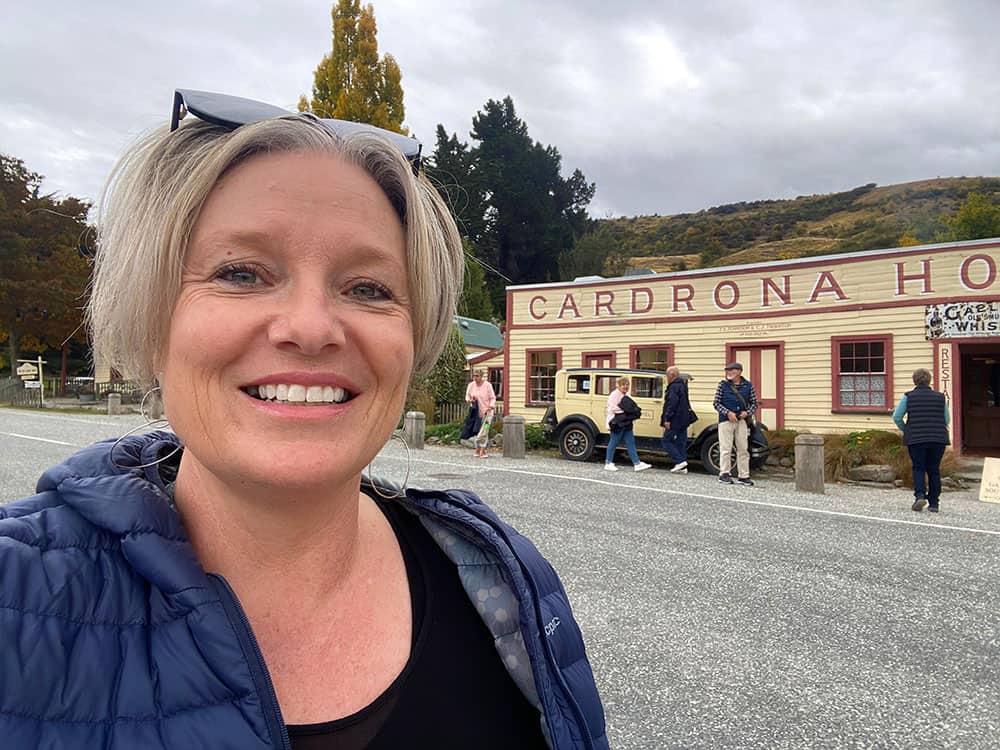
(527, 380)
(835, 343)
(633, 353)
(613, 356)
(495, 377)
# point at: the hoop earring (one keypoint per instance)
(401, 489)
(157, 423)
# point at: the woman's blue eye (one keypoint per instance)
(370, 291)
(239, 276)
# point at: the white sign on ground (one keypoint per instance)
(33, 384)
(989, 488)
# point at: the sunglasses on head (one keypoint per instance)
(233, 111)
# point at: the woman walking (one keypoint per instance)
(622, 412)
(925, 435)
(480, 392)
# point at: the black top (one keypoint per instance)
(454, 692)
(630, 412)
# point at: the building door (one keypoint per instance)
(599, 359)
(764, 366)
(979, 417)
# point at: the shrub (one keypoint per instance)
(451, 433)
(782, 442)
(446, 433)
(535, 437)
(843, 452)
(419, 397)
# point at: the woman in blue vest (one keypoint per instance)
(925, 435)
(235, 583)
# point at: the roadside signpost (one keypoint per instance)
(32, 373)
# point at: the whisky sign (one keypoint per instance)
(962, 319)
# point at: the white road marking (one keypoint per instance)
(60, 418)
(739, 500)
(40, 439)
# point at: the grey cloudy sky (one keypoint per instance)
(669, 106)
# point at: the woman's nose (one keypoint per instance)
(308, 320)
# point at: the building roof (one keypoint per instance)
(479, 333)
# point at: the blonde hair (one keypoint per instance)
(156, 192)
(623, 381)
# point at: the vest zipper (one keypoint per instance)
(553, 666)
(255, 660)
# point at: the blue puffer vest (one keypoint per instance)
(925, 422)
(113, 636)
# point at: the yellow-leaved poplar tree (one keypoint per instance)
(352, 82)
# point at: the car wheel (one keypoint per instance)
(576, 442)
(710, 454)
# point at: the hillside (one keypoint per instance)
(864, 218)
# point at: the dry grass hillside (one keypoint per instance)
(865, 218)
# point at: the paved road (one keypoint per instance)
(721, 617)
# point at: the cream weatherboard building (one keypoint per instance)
(829, 342)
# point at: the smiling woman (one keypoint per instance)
(279, 278)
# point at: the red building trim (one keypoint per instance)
(488, 354)
(916, 302)
(503, 374)
(506, 352)
(612, 355)
(835, 342)
(740, 270)
(634, 349)
(778, 402)
(955, 407)
(527, 373)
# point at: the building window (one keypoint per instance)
(862, 379)
(599, 359)
(542, 366)
(651, 357)
(496, 380)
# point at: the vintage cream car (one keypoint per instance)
(577, 420)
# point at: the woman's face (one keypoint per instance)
(623, 387)
(291, 341)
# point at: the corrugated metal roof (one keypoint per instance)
(479, 333)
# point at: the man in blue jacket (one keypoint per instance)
(736, 402)
(674, 420)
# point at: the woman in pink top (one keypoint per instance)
(481, 392)
(622, 412)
